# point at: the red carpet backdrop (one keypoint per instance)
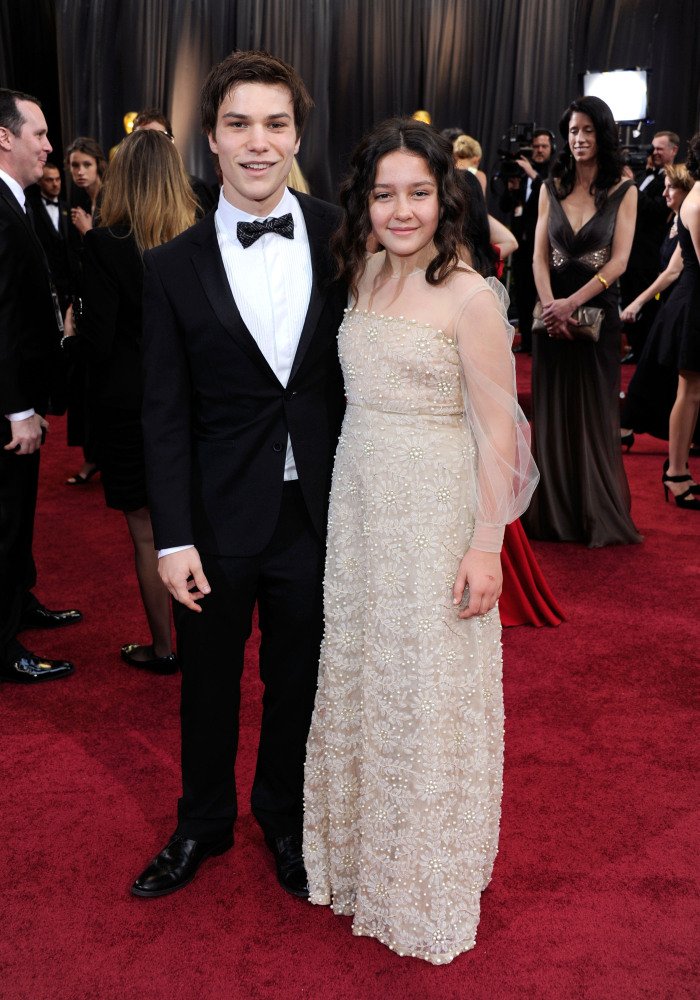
(595, 889)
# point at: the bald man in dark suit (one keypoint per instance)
(29, 339)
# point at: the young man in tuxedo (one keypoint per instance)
(29, 340)
(243, 402)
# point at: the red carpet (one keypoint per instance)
(595, 889)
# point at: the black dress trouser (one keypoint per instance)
(285, 580)
(19, 480)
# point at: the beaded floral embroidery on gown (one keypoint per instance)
(404, 760)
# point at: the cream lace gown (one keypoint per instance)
(404, 759)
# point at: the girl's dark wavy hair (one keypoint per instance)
(693, 161)
(349, 242)
(609, 156)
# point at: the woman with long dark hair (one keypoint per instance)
(85, 165)
(404, 759)
(146, 201)
(582, 242)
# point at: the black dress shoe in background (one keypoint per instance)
(41, 617)
(289, 861)
(177, 865)
(156, 664)
(30, 668)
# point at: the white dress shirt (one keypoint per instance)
(649, 178)
(52, 210)
(271, 284)
(18, 191)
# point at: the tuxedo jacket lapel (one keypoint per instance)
(22, 215)
(212, 274)
(317, 230)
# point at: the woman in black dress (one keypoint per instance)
(146, 201)
(582, 242)
(86, 164)
(681, 346)
(652, 391)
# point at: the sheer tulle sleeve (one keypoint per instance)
(506, 472)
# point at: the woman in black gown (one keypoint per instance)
(146, 201)
(652, 391)
(86, 164)
(680, 346)
(582, 242)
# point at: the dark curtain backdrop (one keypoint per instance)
(481, 64)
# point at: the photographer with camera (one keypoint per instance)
(521, 173)
(649, 233)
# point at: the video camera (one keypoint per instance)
(635, 157)
(515, 143)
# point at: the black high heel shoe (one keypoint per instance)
(694, 489)
(627, 440)
(684, 500)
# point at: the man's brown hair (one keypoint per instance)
(672, 137)
(252, 66)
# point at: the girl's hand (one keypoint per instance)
(478, 583)
(81, 219)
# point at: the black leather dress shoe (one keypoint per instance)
(29, 668)
(156, 664)
(41, 617)
(177, 865)
(289, 861)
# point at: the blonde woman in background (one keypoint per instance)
(146, 201)
(296, 179)
(467, 154)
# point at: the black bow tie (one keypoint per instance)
(49, 201)
(249, 232)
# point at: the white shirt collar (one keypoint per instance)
(229, 216)
(14, 186)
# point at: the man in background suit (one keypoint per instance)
(522, 199)
(51, 221)
(29, 338)
(243, 402)
(650, 228)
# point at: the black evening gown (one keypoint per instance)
(652, 391)
(583, 494)
(677, 343)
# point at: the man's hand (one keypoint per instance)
(181, 572)
(527, 168)
(69, 323)
(27, 434)
(479, 580)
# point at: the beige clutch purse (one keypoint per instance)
(585, 323)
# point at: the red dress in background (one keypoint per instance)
(526, 597)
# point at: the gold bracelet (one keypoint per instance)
(603, 282)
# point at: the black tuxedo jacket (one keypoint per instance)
(215, 416)
(523, 226)
(29, 338)
(650, 227)
(54, 241)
